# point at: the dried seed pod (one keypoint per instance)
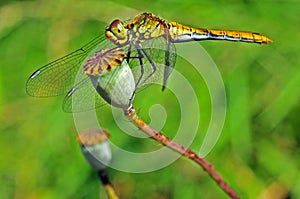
(116, 86)
(95, 148)
(112, 77)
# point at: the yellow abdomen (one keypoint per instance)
(181, 33)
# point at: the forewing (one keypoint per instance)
(58, 76)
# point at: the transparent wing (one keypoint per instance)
(82, 97)
(65, 75)
(58, 76)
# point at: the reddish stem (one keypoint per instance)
(131, 114)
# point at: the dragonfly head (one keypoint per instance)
(117, 33)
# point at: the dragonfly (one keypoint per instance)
(148, 42)
(146, 26)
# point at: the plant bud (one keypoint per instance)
(112, 77)
(95, 148)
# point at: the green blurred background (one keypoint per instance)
(258, 151)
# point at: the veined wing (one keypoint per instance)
(58, 76)
(65, 75)
(82, 97)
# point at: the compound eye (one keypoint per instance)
(117, 27)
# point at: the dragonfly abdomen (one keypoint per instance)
(182, 33)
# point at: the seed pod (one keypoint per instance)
(116, 86)
(112, 77)
(95, 148)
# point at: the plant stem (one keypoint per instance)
(111, 192)
(159, 137)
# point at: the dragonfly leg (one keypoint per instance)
(152, 64)
(167, 64)
(140, 57)
(128, 53)
(142, 67)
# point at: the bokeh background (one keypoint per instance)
(257, 153)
